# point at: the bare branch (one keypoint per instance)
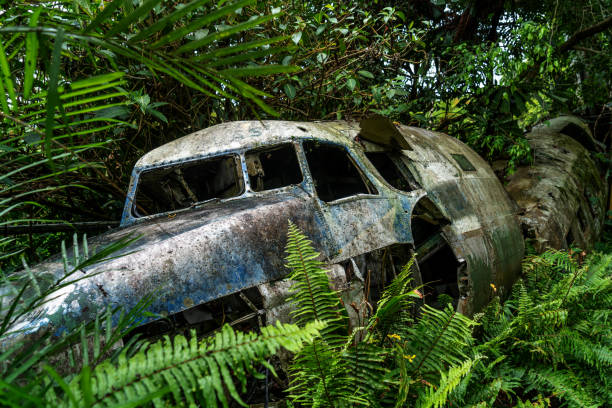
(586, 33)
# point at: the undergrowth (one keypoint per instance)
(547, 345)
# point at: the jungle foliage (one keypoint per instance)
(548, 345)
(87, 87)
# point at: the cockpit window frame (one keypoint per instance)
(240, 180)
(273, 146)
(366, 179)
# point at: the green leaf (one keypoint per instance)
(366, 74)
(157, 114)
(86, 386)
(248, 56)
(192, 45)
(5, 76)
(3, 100)
(351, 83)
(135, 16)
(201, 22)
(260, 70)
(105, 15)
(31, 55)
(237, 48)
(85, 6)
(296, 37)
(289, 90)
(53, 100)
(96, 80)
(169, 19)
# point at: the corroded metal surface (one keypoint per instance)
(203, 253)
(561, 195)
(483, 230)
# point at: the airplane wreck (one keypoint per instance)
(561, 196)
(213, 209)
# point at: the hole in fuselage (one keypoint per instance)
(208, 317)
(438, 265)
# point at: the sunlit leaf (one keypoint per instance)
(296, 37)
(351, 83)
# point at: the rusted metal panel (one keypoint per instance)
(484, 229)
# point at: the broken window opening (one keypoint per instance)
(273, 167)
(334, 173)
(177, 187)
(393, 170)
(463, 162)
(243, 314)
(437, 263)
(578, 134)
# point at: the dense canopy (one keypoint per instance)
(87, 87)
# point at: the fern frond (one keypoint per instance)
(393, 313)
(312, 296)
(321, 376)
(564, 385)
(186, 368)
(400, 285)
(597, 355)
(449, 380)
(367, 368)
(439, 339)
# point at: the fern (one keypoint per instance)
(564, 385)
(440, 339)
(437, 396)
(24, 355)
(384, 369)
(188, 369)
(394, 309)
(552, 336)
(312, 296)
(319, 372)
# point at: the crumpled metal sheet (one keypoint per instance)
(561, 195)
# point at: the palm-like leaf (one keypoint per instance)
(67, 81)
(186, 369)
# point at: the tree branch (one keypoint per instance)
(585, 49)
(586, 33)
(571, 44)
